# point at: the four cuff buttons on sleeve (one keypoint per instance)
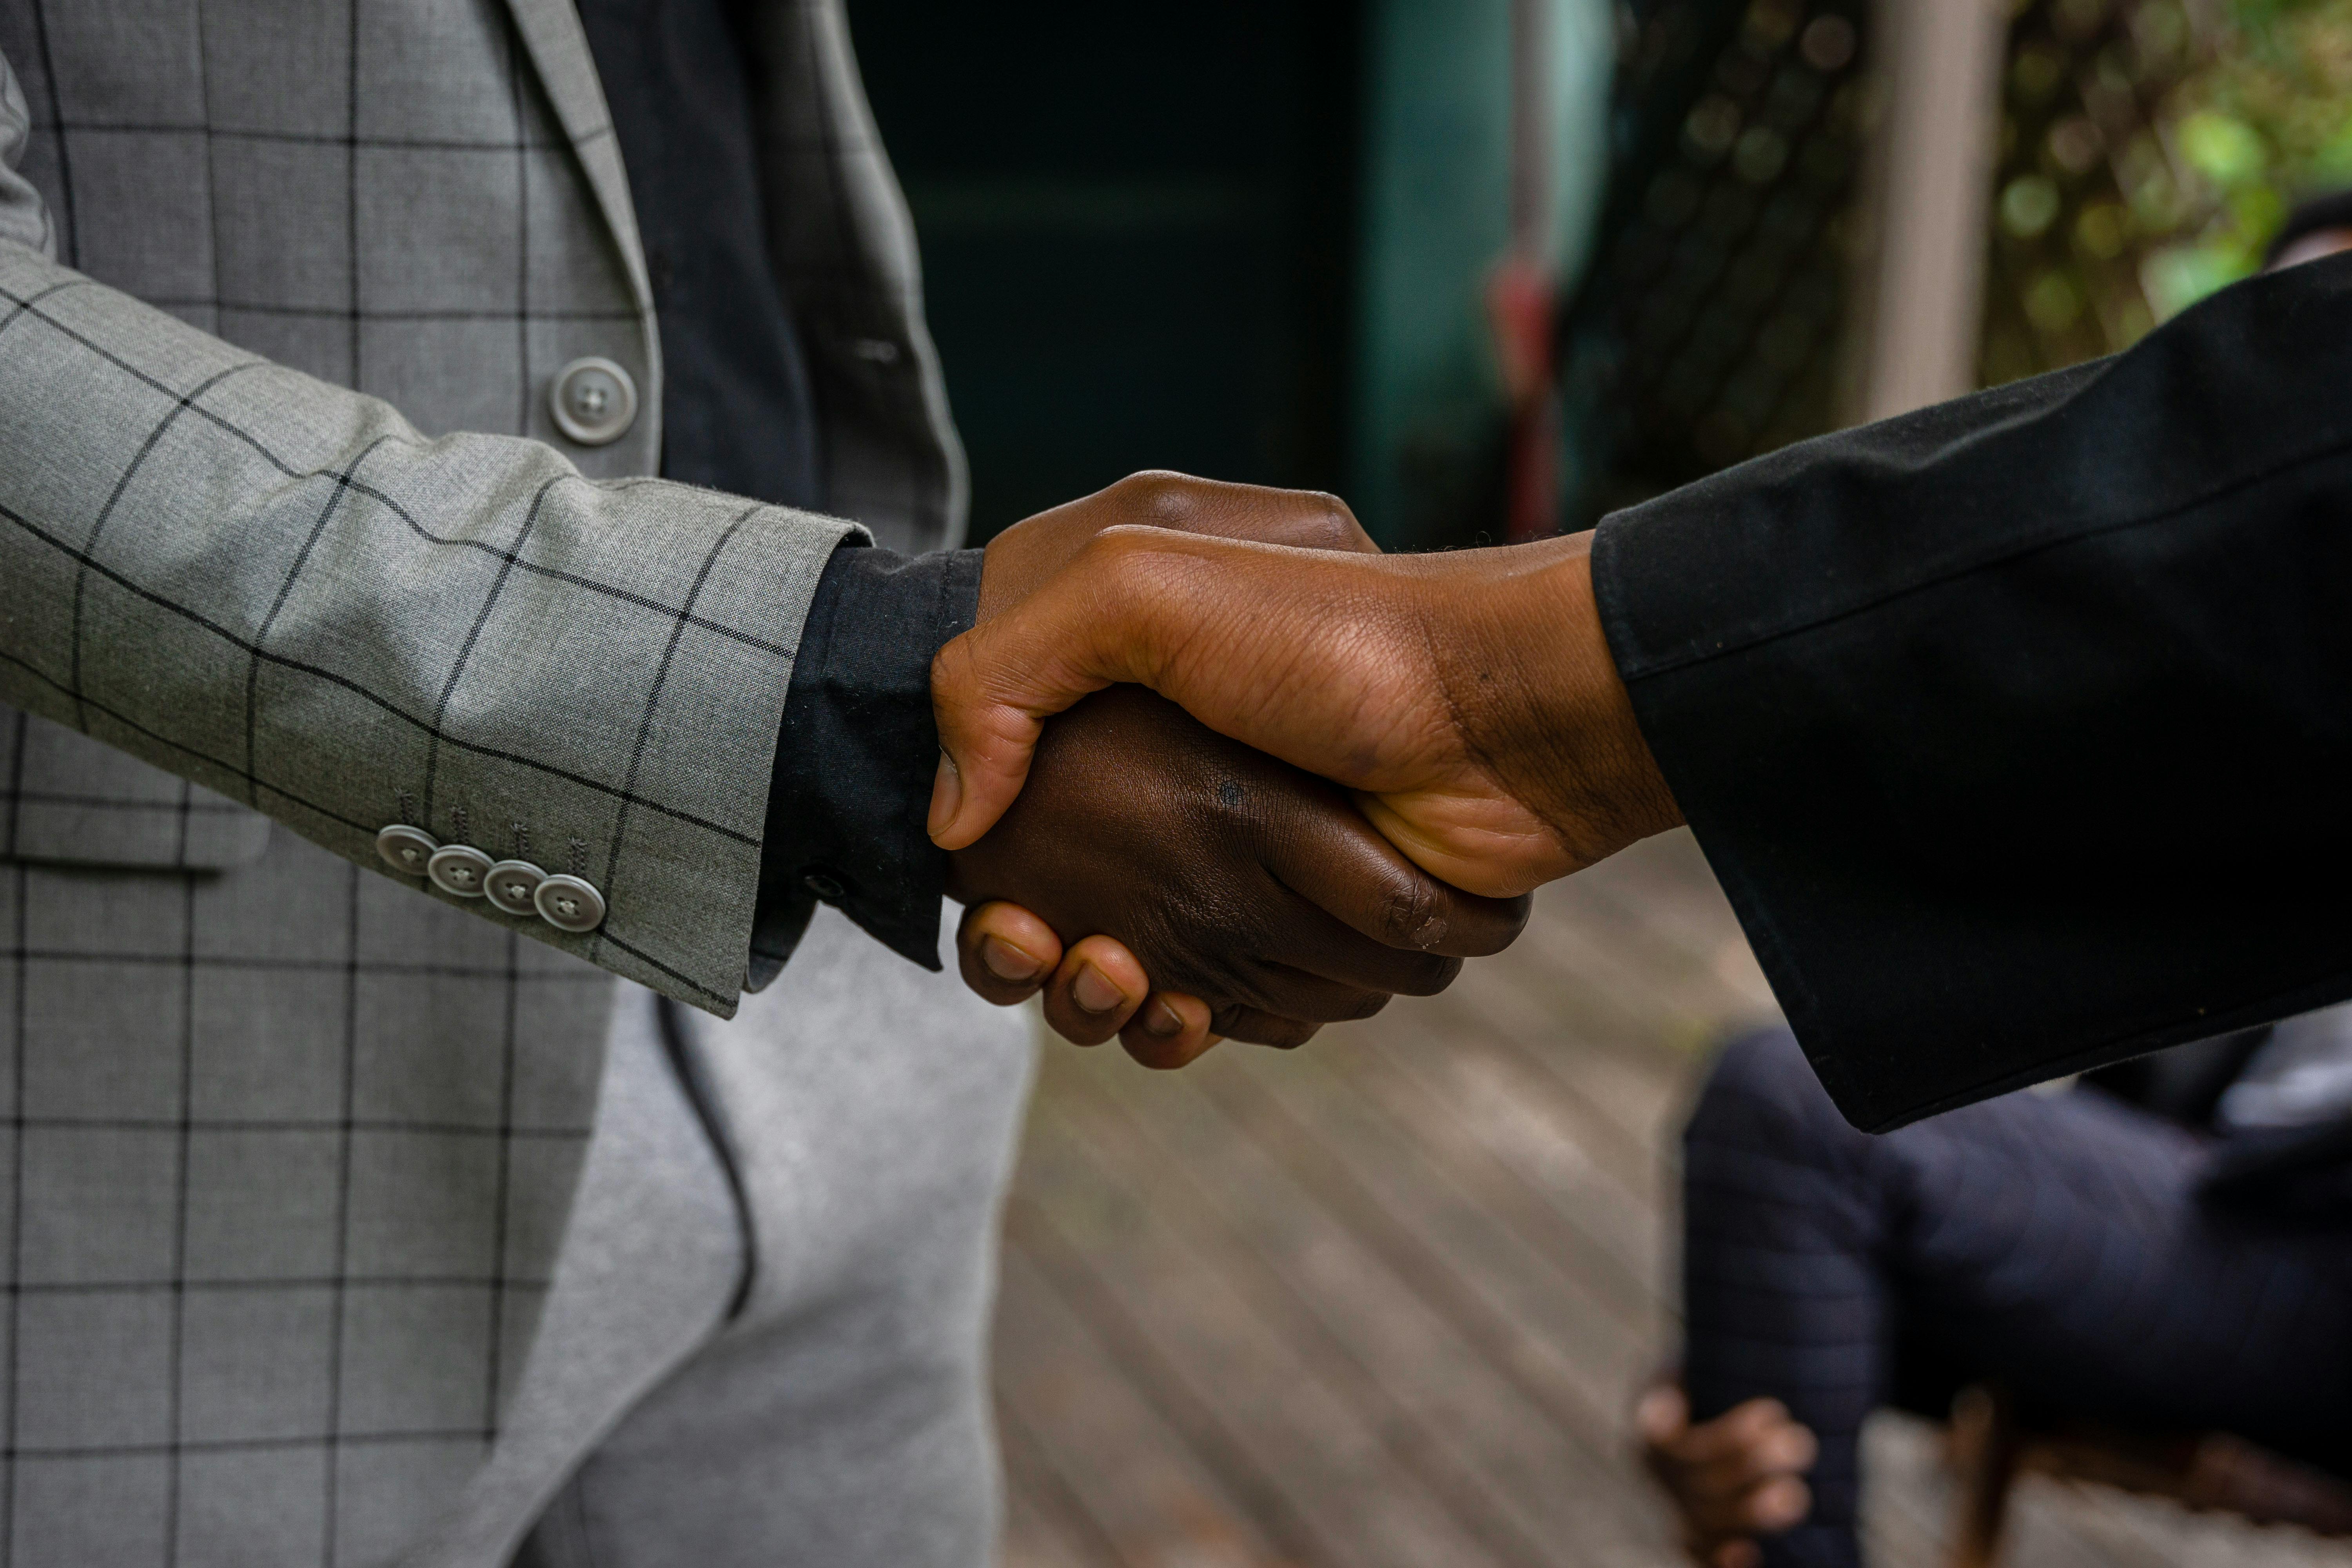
(515, 887)
(594, 402)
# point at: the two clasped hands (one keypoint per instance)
(1336, 773)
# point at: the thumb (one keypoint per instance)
(994, 687)
(985, 742)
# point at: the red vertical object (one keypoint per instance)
(1520, 301)
(1522, 293)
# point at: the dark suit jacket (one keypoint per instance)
(2020, 729)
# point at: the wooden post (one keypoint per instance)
(1939, 70)
(1986, 1448)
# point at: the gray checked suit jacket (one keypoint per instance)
(291, 549)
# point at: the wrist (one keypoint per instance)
(1540, 704)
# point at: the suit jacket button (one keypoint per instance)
(593, 400)
(459, 869)
(567, 903)
(405, 849)
(509, 885)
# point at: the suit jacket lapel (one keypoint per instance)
(558, 46)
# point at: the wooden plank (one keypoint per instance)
(1666, 884)
(1503, 1356)
(1318, 1479)
(1046, 1523)
(1542, 1327)
(1608, 1068)
(1690, 951)
(1530, 1489)
(1616, 1005)
(1528, 1120)
(1095, 1450)
(1486, 1120)
(1657, 928)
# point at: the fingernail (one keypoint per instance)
(1093, 991)
(1162, 1020)
(947, 796)
(1007, 962)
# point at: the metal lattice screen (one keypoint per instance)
(1706, 332)
(2084, 177)
(2148, 152)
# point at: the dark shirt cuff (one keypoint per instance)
(858, 753)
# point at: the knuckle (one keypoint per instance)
(1123, 552)
(1160, 496)
(1118, 567)
(1414, 914)
(1331, 524)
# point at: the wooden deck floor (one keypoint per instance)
(1384, 1301)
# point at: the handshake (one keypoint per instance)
(1213, 766)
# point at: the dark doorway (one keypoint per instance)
(1136, 229)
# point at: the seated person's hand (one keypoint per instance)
(1732, 1479)
(1252, 895)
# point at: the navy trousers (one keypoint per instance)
(2055, 1244)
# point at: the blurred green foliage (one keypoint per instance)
(2264, 121)
(2150, 151)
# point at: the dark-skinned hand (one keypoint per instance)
(1148, 851)
(1731, 1480)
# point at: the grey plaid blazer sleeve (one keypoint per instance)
(278, 589)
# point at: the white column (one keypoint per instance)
(1940, 64)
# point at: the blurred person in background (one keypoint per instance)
(2176, 1261)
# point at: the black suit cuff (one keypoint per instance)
(858, 755)
(2016, 728)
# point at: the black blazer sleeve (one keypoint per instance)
(2020, 729)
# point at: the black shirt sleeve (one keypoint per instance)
(2018, 730)
(858, 753)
